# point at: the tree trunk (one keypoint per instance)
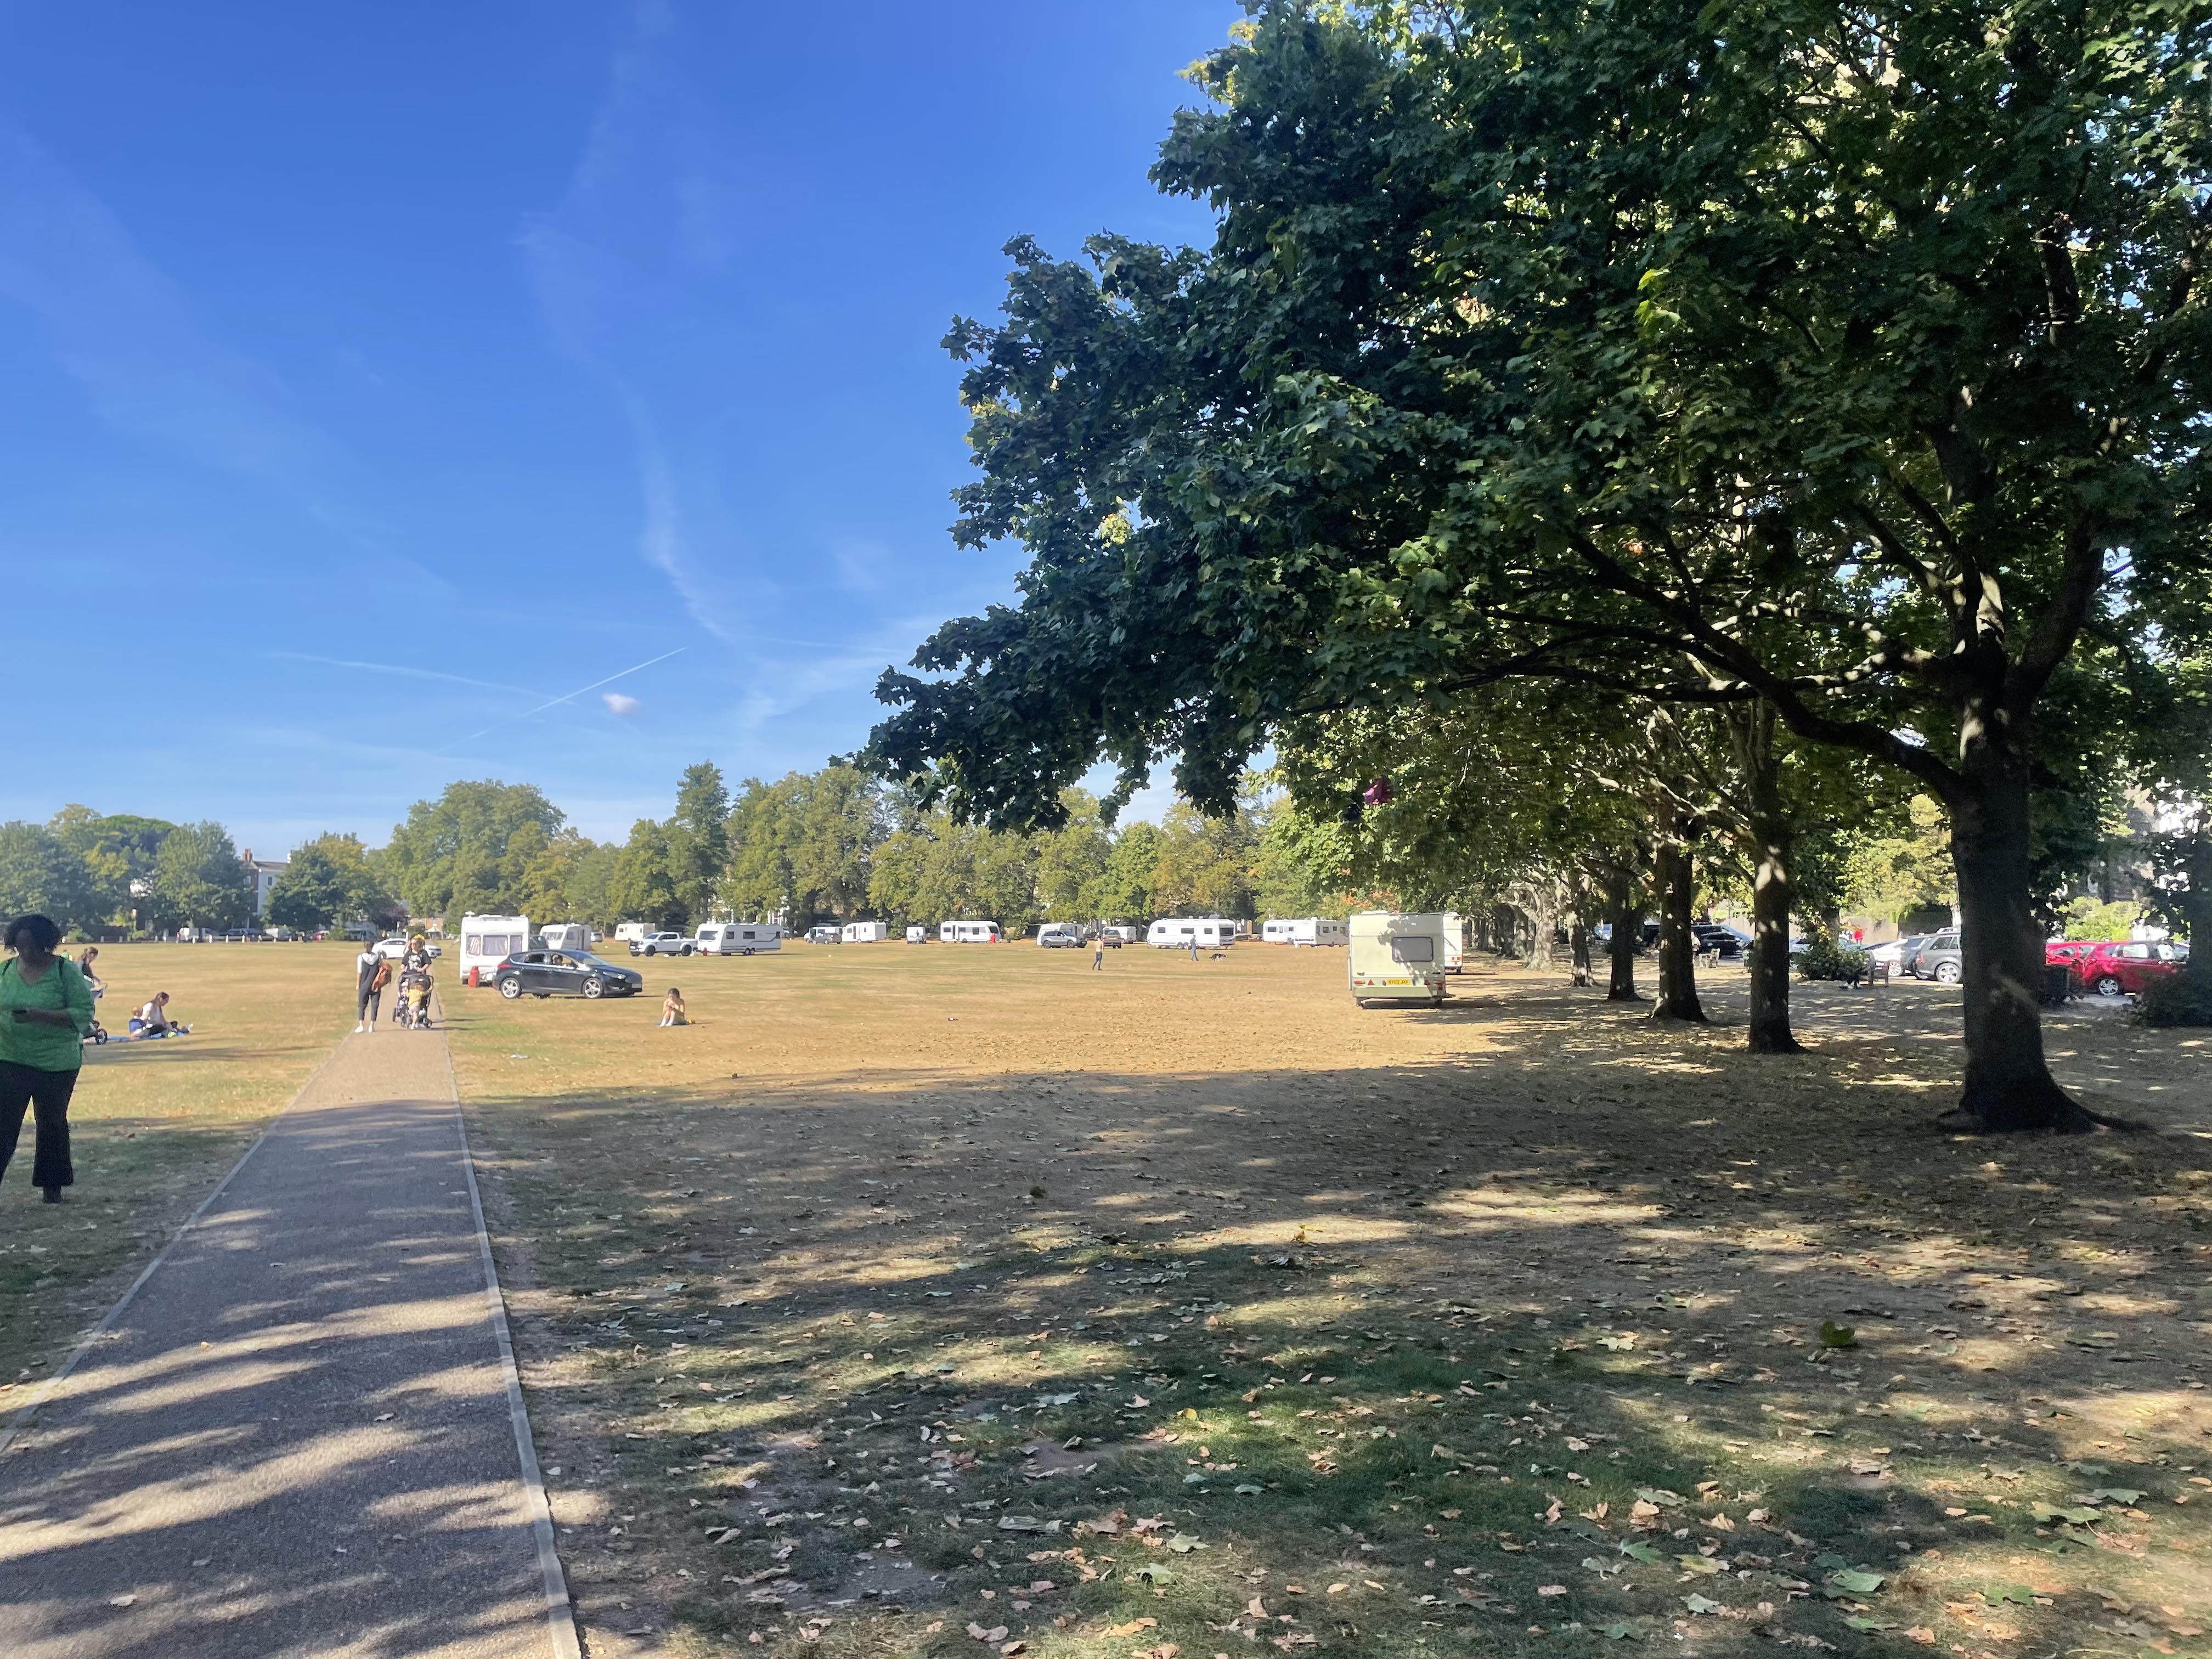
(2197, 904)
(1767, 835)
(1578, 943)
(2009, 1086)
(1627, 923)
(1678, 979)
(1543, 923)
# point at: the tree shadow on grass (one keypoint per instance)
(1413, 1306)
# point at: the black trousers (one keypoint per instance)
(46, 1094)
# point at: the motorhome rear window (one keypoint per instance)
(1414, 949)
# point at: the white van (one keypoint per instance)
(1396, 958)
(565, 936)
(917, 935)
(866, 933)
(1181, 932)
(1455, 937)
(487, 941)
(1304, 930)
(968, 933)
(736, 938)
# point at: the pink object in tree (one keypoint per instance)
(1379, 792)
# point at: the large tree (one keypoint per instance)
(39, 874)
(470, 849)
(699, 837)
(1836, 360)
(198, 880)
(330, 880)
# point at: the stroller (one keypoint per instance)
(413, 999)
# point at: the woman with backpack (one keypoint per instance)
(45, 1009)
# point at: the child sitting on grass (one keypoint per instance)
(671, 1008)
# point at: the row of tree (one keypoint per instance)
(1592, 438)
(86, 869)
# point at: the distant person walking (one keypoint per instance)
(45, 1009)
(1099, 953)
(372, 973)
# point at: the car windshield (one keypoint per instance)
(586, 959)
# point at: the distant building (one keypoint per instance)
(264, 872)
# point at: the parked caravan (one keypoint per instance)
(917, 935)
(1181, 932)
(1127, 933)
(968, 933)
(1304, 930)
(632, 933)
(1455, 937)
(487, 941)
(736, 938)
(565, 936)
(1396, 958)
(866, 933)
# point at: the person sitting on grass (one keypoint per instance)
(152, 1019)
(671, 1008)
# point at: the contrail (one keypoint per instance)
(564, 698)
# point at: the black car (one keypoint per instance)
(1725, 943)
(564, 973)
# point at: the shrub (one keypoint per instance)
(1824, 959)
(2184, 999)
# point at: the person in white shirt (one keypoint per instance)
(372, 973)
(153, 1017)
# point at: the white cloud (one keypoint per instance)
(618, 704)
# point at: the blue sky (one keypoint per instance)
(371, 376)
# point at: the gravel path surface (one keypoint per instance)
(298, 1435)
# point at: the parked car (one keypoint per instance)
(1059, 936)
(1936, 958)
(1724, 942)
(1898, 951)
(825, 935)
(2064, 952)
(564, 973)
(2123, 970)
(662, 945)
(396, 947)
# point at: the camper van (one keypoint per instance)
(1181, 932)
(738, 939)
(1396, 958)
(487, 941)
(1454, 937)
(1304, 930)
(917, 935)
(565, 936)
(968, 933)
(866, 933)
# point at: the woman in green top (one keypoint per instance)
(45, 1009)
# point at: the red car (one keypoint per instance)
(2112, 970)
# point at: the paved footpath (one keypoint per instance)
(299, 1436)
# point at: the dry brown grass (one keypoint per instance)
(1413, 1274)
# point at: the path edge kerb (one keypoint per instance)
(559, 1612)
(29, 1409)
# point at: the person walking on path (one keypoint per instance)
(45, 1009)
(372, 973)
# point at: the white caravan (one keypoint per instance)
(1454, 937)
(917, 935)
(487, 941)
(632, 933)
(1396, 958)
(1181, 932)
(866, 933)
(736, 938)
(968, 933)
(565, 936)
(1304, 930)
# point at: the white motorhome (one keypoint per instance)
(1455, 937)
(632, 933)
(565, 936)
(968, 933)
(866, 933)
(736, 938)
(1181, 932)
(917, 935)
(1396, 958)
(1304, 930)
(487, 941)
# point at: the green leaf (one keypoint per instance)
(1702, 1604)
(1833, 1335)
(1852, 1582)
(1152, 1575)
(2116, 1495)
(1250, 1490)
(1182, 1544)
(1662, 1497)
(1621, 1632)
(1642, 1552)
(1704, 1564)
(1861, 1621)
(2081, 1513)
(2004, 1593)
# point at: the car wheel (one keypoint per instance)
(1947, 973)
(2107, 985)
(594, 989)
(510, 989)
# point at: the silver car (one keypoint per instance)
(1937, 958)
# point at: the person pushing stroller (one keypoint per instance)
(415, 999)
